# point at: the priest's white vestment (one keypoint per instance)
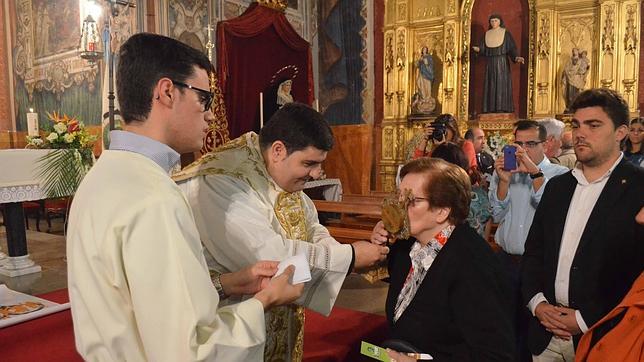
(243, 216)
(138, 282)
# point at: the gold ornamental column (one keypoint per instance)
(620, 23)
(629, 31)
(545, 63)
(608, 56)
(395, 102)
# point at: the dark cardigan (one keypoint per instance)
(461, 311)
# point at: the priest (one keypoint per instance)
(248, 204)
(138, 281)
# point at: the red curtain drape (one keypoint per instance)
(250, 50)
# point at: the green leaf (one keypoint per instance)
(61, 171)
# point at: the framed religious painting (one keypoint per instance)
(188, 21)
(48, 73)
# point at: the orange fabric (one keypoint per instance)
(468, 148)
(625, 342)
(419, 153)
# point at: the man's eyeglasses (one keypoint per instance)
(528, 144)
(206, 96)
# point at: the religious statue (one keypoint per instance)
(284, 93)
(422, 100)
(497, 46)
(574, 74)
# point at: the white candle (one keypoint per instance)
(32, 123)
(316, 105)
(261, 110)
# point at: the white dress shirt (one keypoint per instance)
(581, 205)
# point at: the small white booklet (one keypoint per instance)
(302, 270)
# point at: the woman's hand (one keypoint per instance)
(476, 49)
(428, 131)
(520, 60)
(398, 357)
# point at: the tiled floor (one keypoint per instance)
(48, 250)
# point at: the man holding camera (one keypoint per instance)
(515, 192)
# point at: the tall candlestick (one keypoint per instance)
(261, 110)
(32, 123)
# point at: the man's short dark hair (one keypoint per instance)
(298, 126)
(526, 124)
(469, 134)
(144, 59)
(609, 100)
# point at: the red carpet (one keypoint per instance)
(51, 338)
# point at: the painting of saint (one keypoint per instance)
(187, 20)
(56, 26)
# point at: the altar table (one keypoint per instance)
(19, 182)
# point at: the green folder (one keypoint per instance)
(374, 352)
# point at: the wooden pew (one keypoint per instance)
(358, 215)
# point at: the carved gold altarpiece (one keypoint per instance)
(607, 30)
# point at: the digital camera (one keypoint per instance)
(439, 130)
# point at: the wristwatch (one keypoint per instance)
(216, 281)
(536, 175)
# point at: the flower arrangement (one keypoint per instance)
(496, 142)
(62, 171)
(67, 132)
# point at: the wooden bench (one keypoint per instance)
(358, 215)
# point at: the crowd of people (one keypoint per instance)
(567, 241)
(184, 268)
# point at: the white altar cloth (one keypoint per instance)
(19, 175)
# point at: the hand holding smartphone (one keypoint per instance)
(510, 157)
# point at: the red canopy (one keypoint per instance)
(250, 50)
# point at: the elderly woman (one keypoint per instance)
(448, 295)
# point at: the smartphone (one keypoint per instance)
(509, 157)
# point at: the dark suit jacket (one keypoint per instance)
(461, 310)
(610, 255)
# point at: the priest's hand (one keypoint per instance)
(379, 235)
(249, 280)
(368, 254)
(280, 291)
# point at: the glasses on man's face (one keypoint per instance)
(528, 144)
(206, 97)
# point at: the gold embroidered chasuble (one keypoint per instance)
(243, 216)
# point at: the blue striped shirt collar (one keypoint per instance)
(160, 153)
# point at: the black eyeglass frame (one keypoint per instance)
(529, 144)
(207, 96)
